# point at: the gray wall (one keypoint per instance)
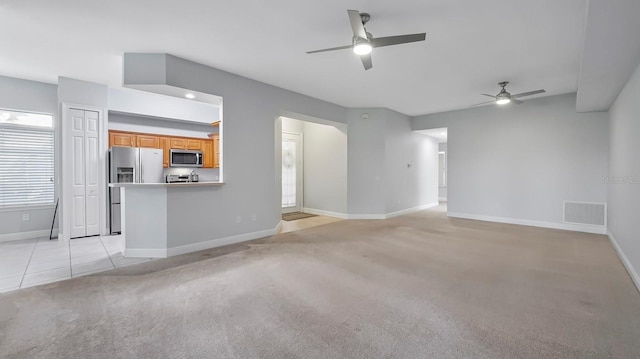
(325, 167)
(366, 157)
(28, 96)
(522, 161)
(624, 173)
(411, 165)
(379, 150)
(251, 108)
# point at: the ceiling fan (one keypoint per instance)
(363, 42)
(503, 97)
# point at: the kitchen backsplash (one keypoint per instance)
(204, 174)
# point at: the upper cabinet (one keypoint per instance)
(125, 139)
(209, 147)
(179, 143)
(149, 141)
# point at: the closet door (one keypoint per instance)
(92, 201)
(85, 216)
(78, 188)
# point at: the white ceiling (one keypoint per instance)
(471, 45)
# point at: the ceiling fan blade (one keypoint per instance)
(523, 94)
(482, 103)
(517, 102)
(366, 61)
(397, 40)
(356, 24)
(484, 94)
(331, 49)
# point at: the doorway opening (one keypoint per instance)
(312, 163)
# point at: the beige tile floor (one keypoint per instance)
(290, 226)
(31, 262)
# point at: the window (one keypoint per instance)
(26, 159)
(442, 169)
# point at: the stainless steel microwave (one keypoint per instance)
(185, 158)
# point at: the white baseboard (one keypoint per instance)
(442, 199)
(27, 235)
(411, 210)
(393, 214)
(527, 222)
(321, 212)
(627, 263)
(145, 253)
(219, 242)
(366, 216)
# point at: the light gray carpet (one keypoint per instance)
(416, 286)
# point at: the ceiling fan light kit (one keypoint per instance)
(362, 46)
(363, 42)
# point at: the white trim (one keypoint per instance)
(411, 210)
(442, 199)
(321, 212)
(393, 214)
(145, 253)
(219, 242)
(528, 222)
(26, 235)
(635, 277)
(194, 247)
(279, 227)
(365, 216)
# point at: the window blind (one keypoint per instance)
(26, 165)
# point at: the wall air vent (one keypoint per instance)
(586, 213)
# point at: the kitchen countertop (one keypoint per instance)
(160, 185)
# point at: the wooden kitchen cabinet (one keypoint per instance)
(124, 139)
(207, 154)
(165, 144)
(179, 143)
(216, 151)
(148, 141)
(210, 147)
(194, 144)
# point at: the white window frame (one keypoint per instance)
(14, 207)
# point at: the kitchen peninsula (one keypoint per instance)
(148, 228)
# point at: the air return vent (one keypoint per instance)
(587, 213)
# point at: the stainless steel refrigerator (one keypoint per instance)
(131, 165)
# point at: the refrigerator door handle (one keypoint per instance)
(141, 173)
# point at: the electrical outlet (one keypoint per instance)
(25, 217)
(238, 219)
(254, 217)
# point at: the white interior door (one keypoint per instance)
(92, 200)
(291, 172)
(85, 216)
(78, 188)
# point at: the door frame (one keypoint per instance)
(299, 173)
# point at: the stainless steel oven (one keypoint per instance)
(185, 158)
